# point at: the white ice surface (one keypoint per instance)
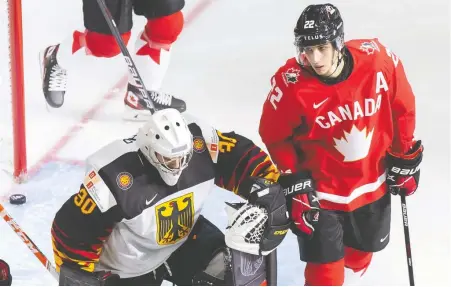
(221, 66)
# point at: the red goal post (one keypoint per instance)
(17, 89)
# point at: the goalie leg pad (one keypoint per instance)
(196, 254)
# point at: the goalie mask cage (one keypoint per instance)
(13, 156)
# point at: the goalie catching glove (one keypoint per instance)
(259, 226)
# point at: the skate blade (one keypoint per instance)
(131, 114)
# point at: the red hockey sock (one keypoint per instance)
(98, 45)
(159, 34)
(78, 41)
(357, 260)
(325, 274)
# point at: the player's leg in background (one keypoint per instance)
(366, 230)
(97, 40)
(152, 53)
(153, 44)
(324, 252)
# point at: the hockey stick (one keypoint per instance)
(144, 94)
(271, 268)
(407, 239)
(41, 257)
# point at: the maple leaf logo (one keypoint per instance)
(355, 145)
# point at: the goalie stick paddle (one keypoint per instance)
(144, 94)
(407, 239)
(30, 244)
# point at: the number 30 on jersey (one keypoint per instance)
(275, 95)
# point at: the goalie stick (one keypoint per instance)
(271, 268)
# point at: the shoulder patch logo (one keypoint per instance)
(199, 144)
(291, 76)
(124, 180)
(92, 174)
(369, 47)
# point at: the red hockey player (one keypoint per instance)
(5, 274)
(151, 55)
(339, 122)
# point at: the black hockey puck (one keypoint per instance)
(17, 199)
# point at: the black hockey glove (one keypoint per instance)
(259, 226)
(75, 277)
(302, 201)
(5, 274)
(403, 171)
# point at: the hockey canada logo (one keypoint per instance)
(124, 180)
(175, 219)
(291, 76)
(199, 145)
(369, 47)
(355, 145)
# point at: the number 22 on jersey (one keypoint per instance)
(275, 95)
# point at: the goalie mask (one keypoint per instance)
(167, 143)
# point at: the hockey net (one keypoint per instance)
(12, 113)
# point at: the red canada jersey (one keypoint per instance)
(341, 132)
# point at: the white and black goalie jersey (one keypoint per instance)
(126, 219)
